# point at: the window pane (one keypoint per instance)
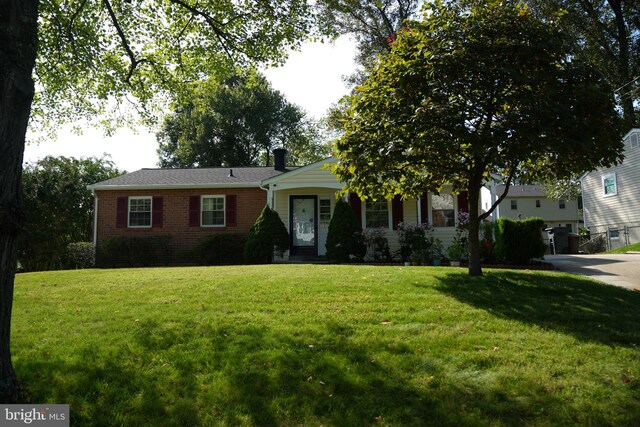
(609, 184)
(139, 212)
(514, 204)
(377, 214)
(442, 212)
(213, 210)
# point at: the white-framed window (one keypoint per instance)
(442, 210)
(537, 203)
(377, 213)
(325, 212)
(212, 211)
(609, 185)
(514, 204)
(139, 214)
(562, 204)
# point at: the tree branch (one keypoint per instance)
(125, 44)
(213, 23)
(485, 215)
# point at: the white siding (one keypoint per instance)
(615, 211)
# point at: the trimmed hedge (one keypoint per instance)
(80, 255)
(518, 242)
(145, 251)
(220, 249)
(344, 237)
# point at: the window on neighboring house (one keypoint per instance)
(212, 211)
(614, 234)
(325, 212)
(562, 204)
(570, 228)
(537, 203)
(609, 185)
(376, 213)
(139, 211)
(514, 204)
(442, 212)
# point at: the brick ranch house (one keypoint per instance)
(189, 204)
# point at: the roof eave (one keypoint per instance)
(172, 186)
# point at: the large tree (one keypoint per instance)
(478, 88)
(87, 56)
(372, 24)
(58, 207)
(609, 31)
(237, 123)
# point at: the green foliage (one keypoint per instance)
(80, 255)
(154, 50)
(267, 235)
(144, 251)
(478, 88)
(372, 25)
(237, 123)
(487, 243)
(220, 249)
(518, 242)
(58, 207)
(608, 33)
(344, 237)
(377, 245)
(413, 239)
(566, 189)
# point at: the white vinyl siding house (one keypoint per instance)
(611, 196)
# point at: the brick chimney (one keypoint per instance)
(279, 155)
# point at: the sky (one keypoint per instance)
(311, 78)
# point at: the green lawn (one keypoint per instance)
(624, 249)
(328, 345)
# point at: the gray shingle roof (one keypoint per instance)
(522, 191)
(185, 178)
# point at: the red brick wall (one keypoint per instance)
(250, 202)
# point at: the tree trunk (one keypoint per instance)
(474, 229)
(18, 44)
(624, 68)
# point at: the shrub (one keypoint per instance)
(220, 249)
(80, 255)
(377, 245)
(595, 245)
(267, 235)
(487, 243)
(134, 251)
(413, 238)
(518, 242)
(344, 237)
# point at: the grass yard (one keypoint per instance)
(328, 345)
(635, 247)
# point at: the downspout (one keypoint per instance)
(95, 218)
(418, 200)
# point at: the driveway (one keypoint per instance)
(620, 270)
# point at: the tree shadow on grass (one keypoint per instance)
(585, 309)
(271, 378)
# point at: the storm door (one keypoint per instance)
(303, 224)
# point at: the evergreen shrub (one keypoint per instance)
(518, 242)
(344, 238)
(267, 235)
(220, 249)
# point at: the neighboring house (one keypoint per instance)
(189, 204)
(527, 201)
(611, 196)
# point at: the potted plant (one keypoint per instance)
(436, 252)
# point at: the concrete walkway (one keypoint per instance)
(620, 270)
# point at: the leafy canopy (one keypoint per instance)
(97, 55)
(237, 123)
